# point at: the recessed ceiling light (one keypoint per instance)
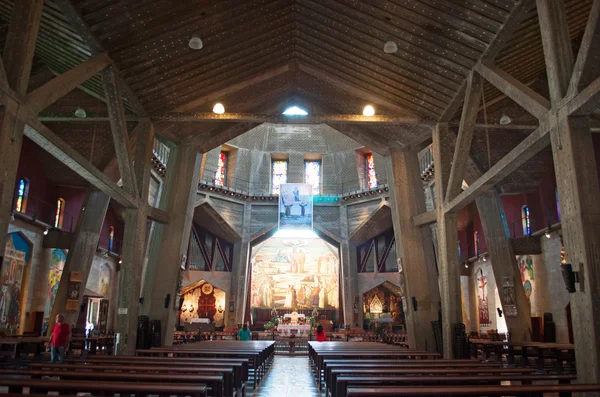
(368, 111)
(195, 43)
(390, 47)
(219, 108)
(80, 113)
(505, 120)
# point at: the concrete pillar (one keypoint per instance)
(82, 252)
(11, 139)
(504, 265)
(348, 275)
(17, 59)
(134, 245)
(447, 237)
(182, 181)
(240, 273)
(579, 195)
(415, 248)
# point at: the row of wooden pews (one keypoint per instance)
(258, 353)
(372, 369)
(215, 368)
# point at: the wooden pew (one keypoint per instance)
(424, 371)
(72, 386)
(239, 365)
(345, 382)
(215, 383)
(227, 373)
(513, 390)
(358, 366)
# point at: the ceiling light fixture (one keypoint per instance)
(46, 232)
(218, 108)
(547, 233)
(80, 113)
(369, 111)
(504, 119)
(195, 43)
(390, 47)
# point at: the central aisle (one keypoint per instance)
(288, 376)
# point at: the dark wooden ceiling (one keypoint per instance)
(260, 55)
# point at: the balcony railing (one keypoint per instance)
(426, 165)
(41, 211)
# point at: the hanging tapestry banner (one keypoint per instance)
(295, 206)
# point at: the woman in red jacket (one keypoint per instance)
(320, 334)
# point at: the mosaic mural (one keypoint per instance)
(527, 275)
(57, 264)
(296, 206)
(295, 274)
(11, 277)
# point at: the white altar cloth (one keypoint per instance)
(287, 328)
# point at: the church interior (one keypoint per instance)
(300, 197)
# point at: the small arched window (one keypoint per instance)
(477, 245)
(111, 237)
(526, 220)
(22, 193)
(60, 213)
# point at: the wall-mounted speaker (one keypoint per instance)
(414, 302)
(167, 300)
(499, 312)
(568, 277)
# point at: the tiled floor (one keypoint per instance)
(288, 376)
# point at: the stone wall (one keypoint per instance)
(250, 155)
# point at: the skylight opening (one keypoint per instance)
(295, 111)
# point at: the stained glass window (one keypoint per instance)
(111, 237)
(312, 175)
(22, 193)
(60, 210)
(221, 173)
(279, 175)
(557, 204)
(526, 220)
(477, 246)
(370, 170)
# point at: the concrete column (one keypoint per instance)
(181, 190)
(11, 139)
(348, 274)
(415, 248)
(134, 245)
(82, 252)
(504, 265)
(17, 58)
(579, 195)
(240, 275)
(447, 237)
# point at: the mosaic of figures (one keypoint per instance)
(203, 301)
(11, 276)
(295, 274)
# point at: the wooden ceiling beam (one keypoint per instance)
(371, 140)
(354, 90)
(269, 74)
(80, 26)
(586, 65)
(513, 21)
(524, 151)
(293, 119)
(51, 143)
(118, 125)
(524, 96)
(465, 135)
(61, 85)
(20, 43)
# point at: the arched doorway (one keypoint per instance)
(202, 306)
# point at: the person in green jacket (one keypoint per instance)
(244, 333)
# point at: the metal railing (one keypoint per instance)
(39, 210)
(161, 152)
(426, 165)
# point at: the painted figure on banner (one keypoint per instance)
(11, 276)
(482, 294)
(295, 206)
